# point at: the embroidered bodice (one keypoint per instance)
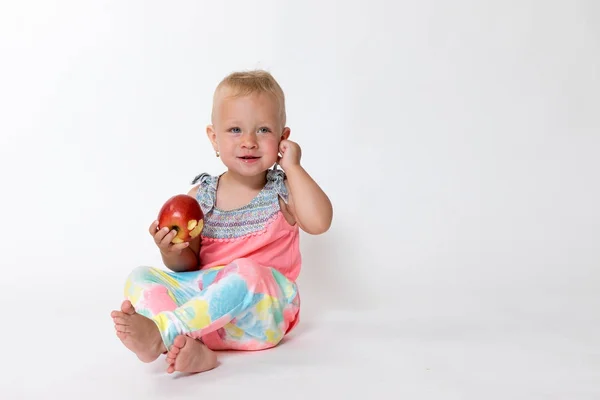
(249, 219)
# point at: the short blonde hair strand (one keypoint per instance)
(243, 83)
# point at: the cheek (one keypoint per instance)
(270, 145)
(225, 145)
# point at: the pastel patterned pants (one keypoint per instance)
(240, 306)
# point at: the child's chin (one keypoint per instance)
(245, 169)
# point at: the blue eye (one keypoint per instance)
(264, 130)
(235, 130)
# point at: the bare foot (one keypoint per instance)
(190, 355)
(138, 333)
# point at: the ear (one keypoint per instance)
(212, 136)
(286, 133)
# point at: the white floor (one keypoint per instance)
(74, 354)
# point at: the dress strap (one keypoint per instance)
(207, 191)
(276, 177)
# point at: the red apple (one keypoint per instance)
(182, 213)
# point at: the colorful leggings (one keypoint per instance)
(240, 306)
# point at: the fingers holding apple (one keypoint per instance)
(163, 238)
(180, 220)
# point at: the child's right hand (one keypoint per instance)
(162, 238)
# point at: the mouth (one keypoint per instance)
(249, 159)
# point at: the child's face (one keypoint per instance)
(246, 131)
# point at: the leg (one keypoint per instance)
(248, 307)
(236, 289)
(263, 325)
(151, 290)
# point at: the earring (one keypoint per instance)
(217, 154)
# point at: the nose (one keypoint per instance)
(248, 140)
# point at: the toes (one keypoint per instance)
(172, 355)
(127, 307)
(179, 342)
(122, 328)
(121, 314)
(120, 318)
(170, 369)
(121, 321)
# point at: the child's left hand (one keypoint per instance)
(291, 154)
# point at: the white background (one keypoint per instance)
(458, 142)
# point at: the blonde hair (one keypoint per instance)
(243, 83)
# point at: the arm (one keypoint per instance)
(307, 203)
(180, 257)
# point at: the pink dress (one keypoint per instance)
(244, 296)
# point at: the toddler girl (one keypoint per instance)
(234, 287)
